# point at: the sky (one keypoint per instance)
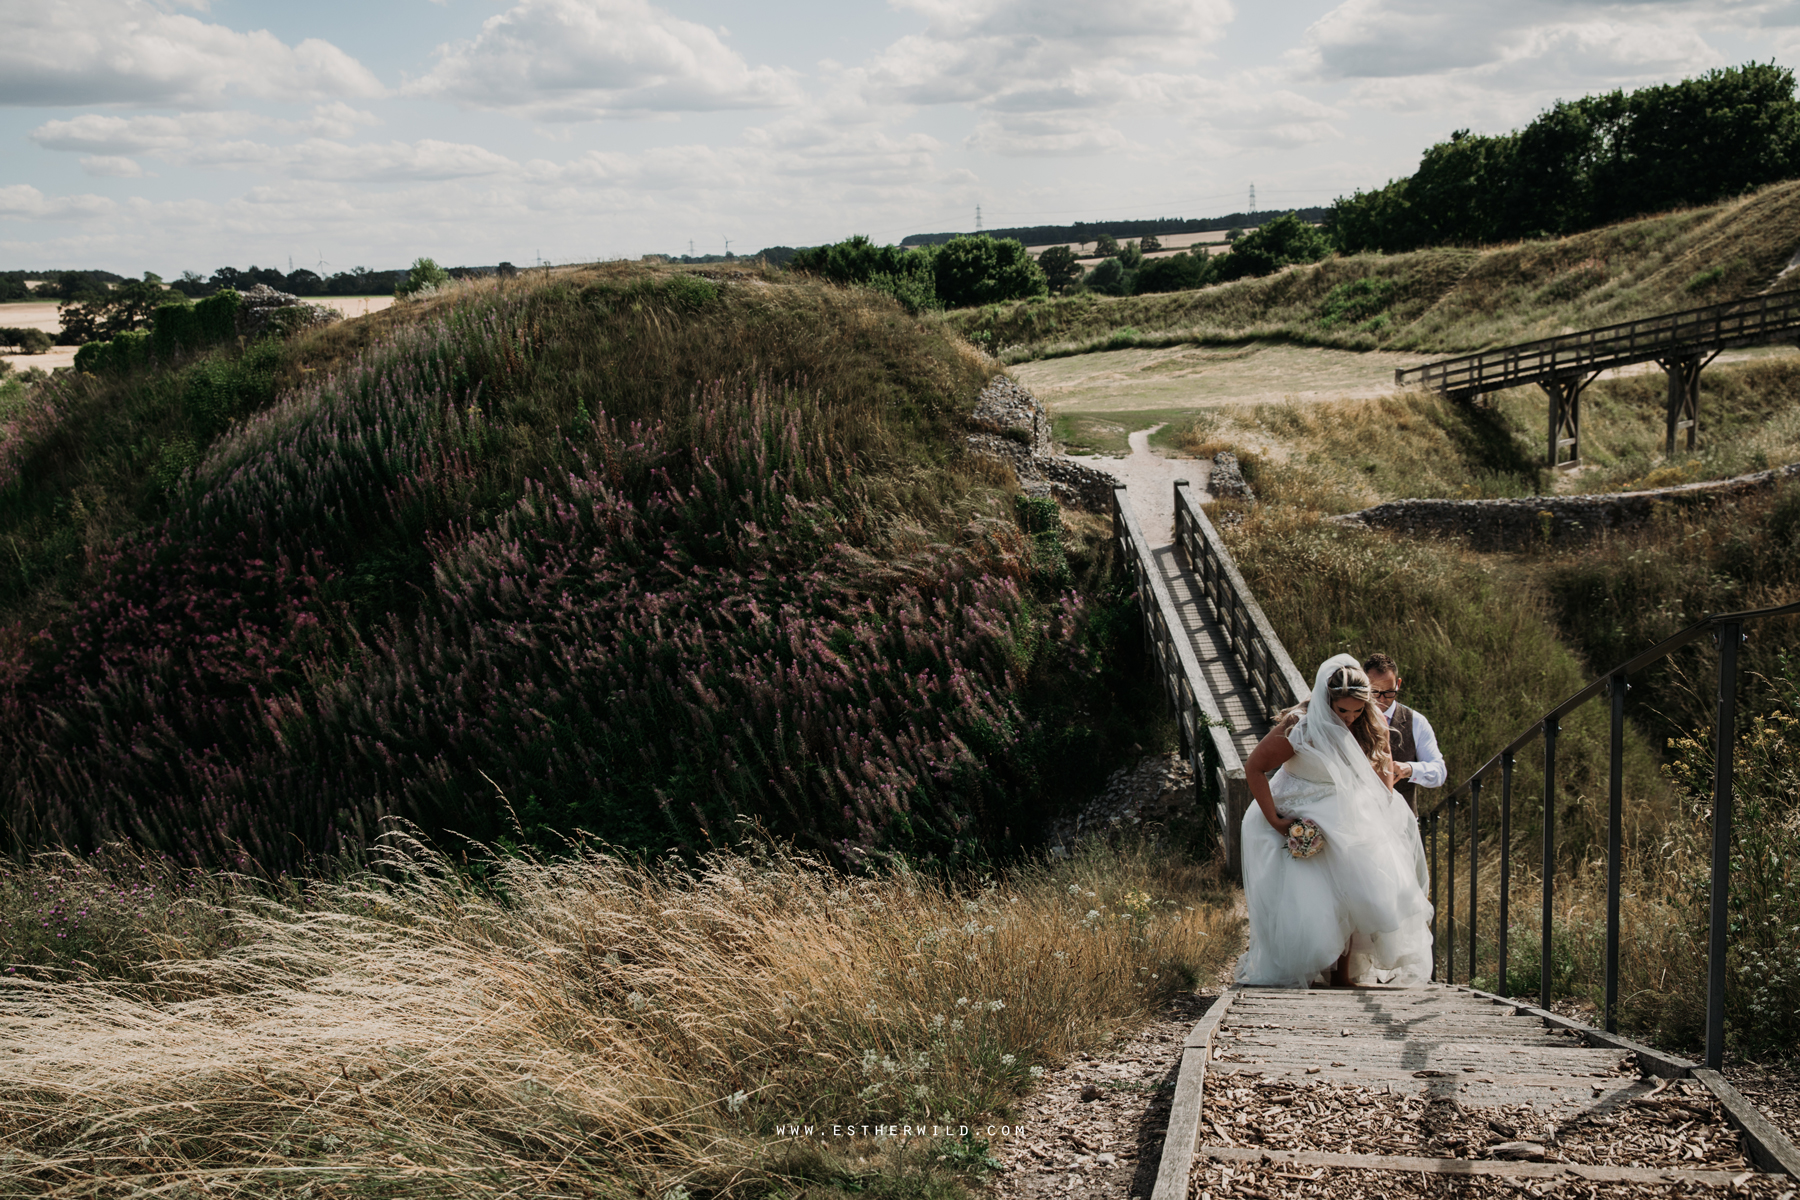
(172, 135)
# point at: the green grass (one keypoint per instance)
(1346, 455)
(1435, 301)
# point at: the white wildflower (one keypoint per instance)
(736, 1100)
(1007, 1060)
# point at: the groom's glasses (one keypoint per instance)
(1387, 695)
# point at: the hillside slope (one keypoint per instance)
(644, 552)
(1443, 300)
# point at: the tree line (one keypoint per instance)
(1588, 162)
(981, 269)
(1083, 232)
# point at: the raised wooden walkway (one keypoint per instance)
(1682, 343)
(1444, 1081)
(1225, 672)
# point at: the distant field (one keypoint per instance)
(41, 314)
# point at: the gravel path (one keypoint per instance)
(1151, 478)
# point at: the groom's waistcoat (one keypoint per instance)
(1404, 748)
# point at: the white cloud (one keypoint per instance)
(21, 201)
(1460, 55)
(112, 166)
(130, 51)
(324, 159)
(577, 60)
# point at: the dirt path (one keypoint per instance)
(1151, 480)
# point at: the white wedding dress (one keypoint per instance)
(1366, 888)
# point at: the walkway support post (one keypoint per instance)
(1684, 395)
(1565, 417)
(1724, 742)
(1615, 820)
(1551, 729)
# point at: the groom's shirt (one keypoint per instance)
(1428, 767)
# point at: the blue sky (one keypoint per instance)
(172, 135)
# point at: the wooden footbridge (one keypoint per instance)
(1225, 672)
(1682, 343)
(1324, 1086)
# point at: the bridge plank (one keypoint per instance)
(1427, 1042)
(1465, 1166)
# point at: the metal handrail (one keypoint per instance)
(1690, 330)
(1728, 629)
(1204, 730)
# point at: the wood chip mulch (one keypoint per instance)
(1285, 1180)
(1095, 1126)
(1655, 1124)
(1773, 1087)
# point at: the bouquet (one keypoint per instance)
(1305, 838)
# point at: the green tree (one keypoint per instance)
(1110, 278)
(1060, 267)
(985, 270)
(902, 273)
(424, 274)
(1176, 273)
(1130, 257)
(1286, 239)
(1151, 244)
(125, 309)
(1106, 245)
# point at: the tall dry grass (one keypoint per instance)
(588, 1026)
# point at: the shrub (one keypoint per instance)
(1287, 239)
(26, 340)
(985, 270)
(1177, 273)
(424, 277)
(217, 316)
(1109, 278)
(175, 330)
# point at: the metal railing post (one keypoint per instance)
(1506, 770)
(1450, 894)
(1724, 744)
(1551, 728)
(1474, 849)
(1615, 821)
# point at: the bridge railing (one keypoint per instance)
(1734, 322)
(1218, 771)
(1274, 680)
(1727, 630)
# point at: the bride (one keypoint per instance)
(1358, 906)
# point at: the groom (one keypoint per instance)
(1417, 760)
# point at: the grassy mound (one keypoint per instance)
(1435, 301)
(640, 551)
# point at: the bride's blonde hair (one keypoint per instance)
(1370, 729)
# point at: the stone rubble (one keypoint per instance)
(262, 309)
(1503, 524)
(1160, 787)
(1228, 482)
(1014, 428)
